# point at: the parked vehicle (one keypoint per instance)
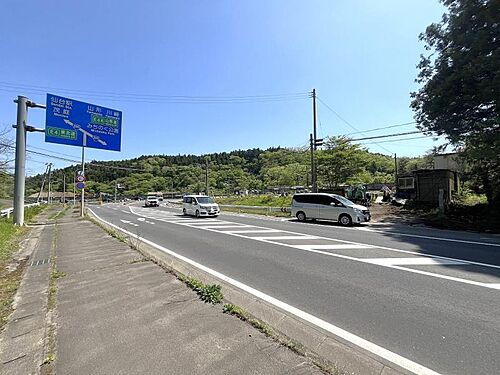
(199, 205)
(328, 207)
(152, 201)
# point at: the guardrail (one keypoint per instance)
(268, 209)
(8, 211)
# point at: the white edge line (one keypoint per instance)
(356, 340)
(362, 260)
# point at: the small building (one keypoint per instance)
(424, 185)
(446, 161)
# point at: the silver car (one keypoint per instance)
(328, 207)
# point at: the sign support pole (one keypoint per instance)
(82, 207)
(20, 166)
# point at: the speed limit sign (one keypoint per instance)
(80, 178)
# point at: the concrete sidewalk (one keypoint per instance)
(118, 313)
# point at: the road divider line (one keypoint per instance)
(381, 352)
(470, 262)
(417, 261)
(303, 237)
(333, 247)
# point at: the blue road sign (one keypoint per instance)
(80, 185)
(75, 123)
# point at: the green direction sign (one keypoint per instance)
(61, 133)
(101, 120)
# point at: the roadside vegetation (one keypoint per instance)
(11, 272)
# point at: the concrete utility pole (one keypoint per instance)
(313, 177)
(115, 191)
(20, 166)
(314, 117)
(43, 183)
(64, 188)
(74, 188)
(206, 177)
(395, 170)
(49, 196)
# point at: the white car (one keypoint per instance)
(199, 205)
(328, 207)
(152, 201)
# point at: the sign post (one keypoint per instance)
(76, 123)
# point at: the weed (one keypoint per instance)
(208, 293)
(49, 359)
(57, 274)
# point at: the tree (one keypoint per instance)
(339, 162)
(460, 78)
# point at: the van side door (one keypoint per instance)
(331, 208)
(309, 204)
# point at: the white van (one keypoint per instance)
(199, 205)
(328, 207)
(152, 201)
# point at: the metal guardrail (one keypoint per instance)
(257, 208)
(8, 211)
(268, 209)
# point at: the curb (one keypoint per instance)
(346, 356)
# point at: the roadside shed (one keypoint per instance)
(424, 185)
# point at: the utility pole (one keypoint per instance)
(74, 188)
(49, 196)
(313, 179)
(20, 167)
(395, 171)
(43, 183)
(206, 177)
(115, 191)
(64, 188)
(314, 117)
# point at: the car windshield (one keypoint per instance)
(344, 201)
(205, 200)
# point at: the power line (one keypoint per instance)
(400, 140)
(382, 128)
(92, 164)
(347, 122)
(387, 135)
(153, 98)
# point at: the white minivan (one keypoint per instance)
(199, 205)
(328, 207)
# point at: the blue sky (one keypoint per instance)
(360, 55)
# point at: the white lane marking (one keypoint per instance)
(417, 261)
(397, 359)
(334, 247)
(141, 218)
(225, 226)
(128, 222)
(425, 237)
(253, 231)
(363, 260)
(303, 237)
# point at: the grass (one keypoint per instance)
(256, 211)
(59, 214)
(257, 200)
(210, 293)
(10, 237)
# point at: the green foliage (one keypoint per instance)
(208, 293)
(257, 200)
(460, 77)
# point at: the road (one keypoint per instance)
(428, 296)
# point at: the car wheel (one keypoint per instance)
(301, 216)
(197, 213)
(184, 212)
(345, 220)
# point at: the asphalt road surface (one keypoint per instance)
(428, 296)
